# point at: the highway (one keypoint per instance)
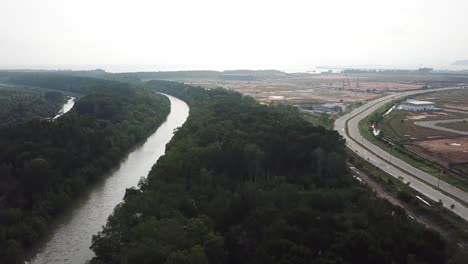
(419, 180)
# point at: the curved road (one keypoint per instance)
(419, 180)
(434, 125)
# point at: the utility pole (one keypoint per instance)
(347, 80)
(438, 180)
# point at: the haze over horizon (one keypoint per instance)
(209, 34)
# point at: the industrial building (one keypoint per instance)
(329, 107)
(417, 106)
(323, 108)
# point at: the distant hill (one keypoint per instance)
(460, 63)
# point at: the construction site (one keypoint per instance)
(429, 134)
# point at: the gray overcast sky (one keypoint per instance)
(233, 34)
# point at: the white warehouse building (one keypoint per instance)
(417, 106)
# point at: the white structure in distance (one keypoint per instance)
(417, 106)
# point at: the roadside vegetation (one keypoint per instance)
(45, 165)
(324, 120)
(327, 120)
(462, 126)
(452, 227)
(245, 183)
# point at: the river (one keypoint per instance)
(66, 107)
(70, 237)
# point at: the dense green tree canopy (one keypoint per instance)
(21, 104)
(247, 183)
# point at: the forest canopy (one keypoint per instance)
(246, 183)
(21, 104)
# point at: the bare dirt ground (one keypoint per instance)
(297, 88)
(291, 90)
(443, 151)
(301, 88)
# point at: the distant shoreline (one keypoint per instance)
(124, 68)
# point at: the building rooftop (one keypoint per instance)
(330, 105)
(417, 102)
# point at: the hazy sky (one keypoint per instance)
(233, 34)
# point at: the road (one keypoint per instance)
(433, 125)
(419, 180)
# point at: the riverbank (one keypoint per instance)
(71, 237)
(47, 165)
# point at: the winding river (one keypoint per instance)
(70, 238)
(66, 107)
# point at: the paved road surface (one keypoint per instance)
(418, 180)
(433, 125)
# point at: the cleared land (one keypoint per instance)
(306, 88)
(443, 151)
(301, 89)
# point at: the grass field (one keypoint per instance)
(399, 126)
(462, 126)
